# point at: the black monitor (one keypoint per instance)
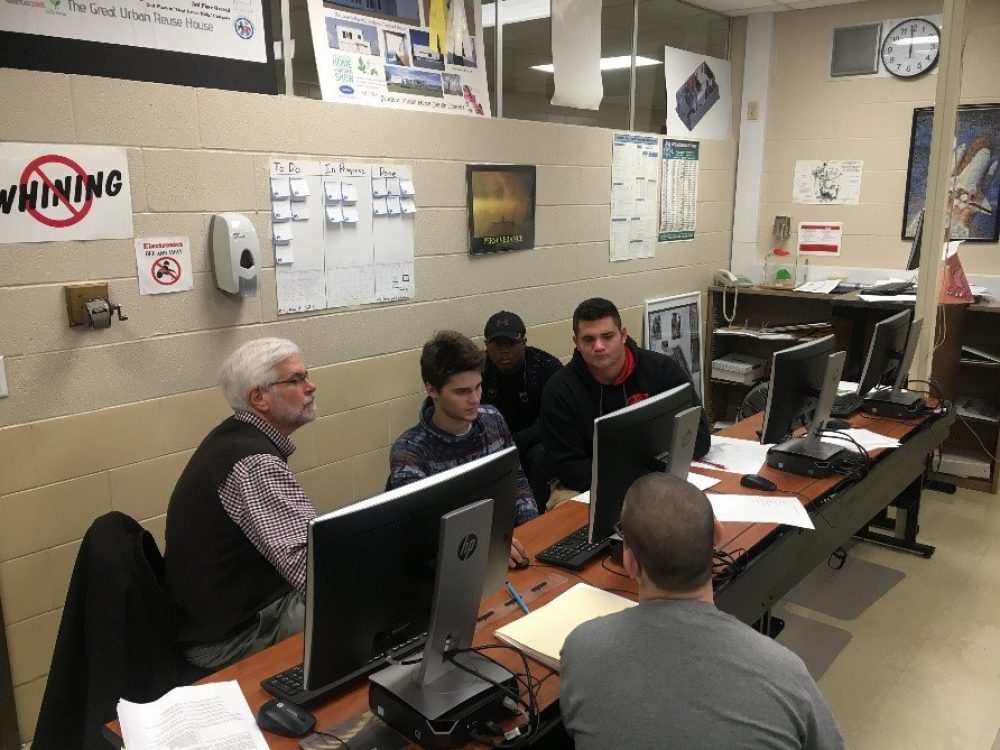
(884, 378)
(657, 434)
(804, 381)
(372, 565)
(913, 262)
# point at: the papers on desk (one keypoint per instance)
(542, 633)
(733, 455)
(818, 287)
(214, 716)
(891, 298)
(869, 440)
(761, 509)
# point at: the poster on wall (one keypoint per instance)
(975, 189)
(233, 30)
(830, 182)
(407, 54)
(50, 193)
(679, 191)
(501, 203)
(634, 173)
(673, 327)
(820, 238)
(699, 95)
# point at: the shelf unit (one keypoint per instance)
(852, 321)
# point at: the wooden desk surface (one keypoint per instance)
(537, 535)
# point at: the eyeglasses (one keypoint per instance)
(297, 381)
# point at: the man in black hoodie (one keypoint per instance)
(608, 371)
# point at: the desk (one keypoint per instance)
(777, 558)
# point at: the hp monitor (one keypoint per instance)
(883, 380)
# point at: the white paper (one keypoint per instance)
(213, 716)
(407, 205)
(379, 189)
(701, 481)
(283, 254)
(299, 188)
(348, 193)
(820, 238)
(351, 215)
(379, 207)
(334, 214)
(583, 497)
(392, 205)
(281, 210)
(733, 455)
(300, 211)
(576, 53)
(406, 187)
(818, 287)
(634, 169)
(282, 234)
(164, 264)
(834, 182)
(331, 191)
(760, 509)
(869, 440)
(279, 188)
(884, 297)
(392, 186)
(679, 190)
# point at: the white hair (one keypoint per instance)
(251, 366)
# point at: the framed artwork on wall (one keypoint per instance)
(975, 192)
(673, 327)
(501, 207)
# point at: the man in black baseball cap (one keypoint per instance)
(513, 380)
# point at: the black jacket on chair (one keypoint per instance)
(116, 638)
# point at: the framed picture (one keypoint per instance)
(976, 188)
(501, 207)
(673, 327)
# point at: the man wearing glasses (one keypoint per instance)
(237, 518)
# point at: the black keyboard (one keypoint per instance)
(573, 551)
(288, 685)
(890, 289)
(846, 405)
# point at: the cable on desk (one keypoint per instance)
(343, 743)
(604, 564)
(727, 565)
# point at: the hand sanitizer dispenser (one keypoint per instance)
(236, 251)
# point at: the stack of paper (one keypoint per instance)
(214, 716)
(542, 633)
(761, 509)
(869, 440)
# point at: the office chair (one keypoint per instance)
(755, 401)
(117, 637)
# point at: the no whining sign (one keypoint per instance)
(63, 192)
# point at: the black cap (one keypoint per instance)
(506, 325)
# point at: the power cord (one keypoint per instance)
(727, 565)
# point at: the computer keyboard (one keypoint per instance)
(288, 685)
(573, 551)
(890, 289)
(846, 405)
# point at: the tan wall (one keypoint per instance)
(106, 420)
(812, 117)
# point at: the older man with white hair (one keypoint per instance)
(237, 519)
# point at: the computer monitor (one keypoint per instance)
(883, 380)
(913, 262)
(657, 434)
(804, 381)
(371, 566)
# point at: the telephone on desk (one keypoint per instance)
(728, 278)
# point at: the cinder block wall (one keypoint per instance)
(101, 420)
(814, 117)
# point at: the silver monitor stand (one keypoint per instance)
(896, 402)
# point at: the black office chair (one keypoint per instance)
(755, 401)
(117, 637)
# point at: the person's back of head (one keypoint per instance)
(595, 308)
(447, 354)
(669, 526)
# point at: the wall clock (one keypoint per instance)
(911, 48)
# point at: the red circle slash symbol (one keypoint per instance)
(166, 271)
(76, 214)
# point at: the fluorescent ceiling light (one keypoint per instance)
(610, 63)
(515, 11)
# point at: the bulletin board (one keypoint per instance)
(342, 233)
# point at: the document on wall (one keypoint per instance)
(634, 166)
(679, 190)
(827, 182)
(761, 509)
(820, 238)
(541, 633)
(214, 716)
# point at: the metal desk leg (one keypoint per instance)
(903, 530)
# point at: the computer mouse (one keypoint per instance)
(523, 563)
(757, 482)
(285, 719)
(837, 424)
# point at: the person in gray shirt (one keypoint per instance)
(674, 671)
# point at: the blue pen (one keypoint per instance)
(517, 597)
